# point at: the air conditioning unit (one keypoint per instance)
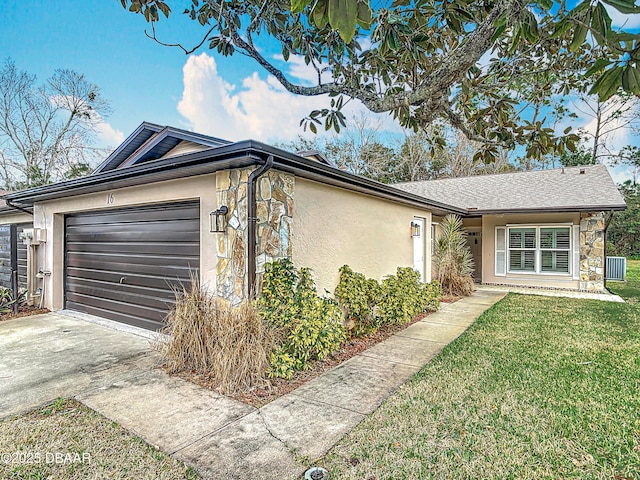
(34, 236)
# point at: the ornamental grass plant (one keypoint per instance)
(230, 345)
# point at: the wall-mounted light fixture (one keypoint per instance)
(415, 229)
(218, 220)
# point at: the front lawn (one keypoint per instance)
(539, 387)
(66, 440)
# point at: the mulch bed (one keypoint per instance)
(276, 387)
(25, 311)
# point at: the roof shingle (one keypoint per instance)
(585, 188)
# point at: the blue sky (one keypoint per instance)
(143, 80)
(227, 97)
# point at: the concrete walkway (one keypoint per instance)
(546, 292)
(225, 439)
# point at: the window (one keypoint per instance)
(522, 249)
(555, 249)
(539, 249)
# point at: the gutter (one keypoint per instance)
(589, 208)
(17, 207)
(251, 224)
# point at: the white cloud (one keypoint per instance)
(109, 136)
(257, 109)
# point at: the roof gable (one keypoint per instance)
(152, 142)
(585, 188)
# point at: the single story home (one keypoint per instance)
(168, 204)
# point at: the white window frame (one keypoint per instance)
(539, 249)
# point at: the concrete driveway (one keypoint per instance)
(43, 357)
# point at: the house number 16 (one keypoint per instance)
(110, 199)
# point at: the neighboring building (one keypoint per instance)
(168, 204)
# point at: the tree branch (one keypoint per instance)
(178, 45)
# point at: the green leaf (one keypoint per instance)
(607, 84)
(531, 28)
(561, 28)
(298, 6)
(631, 79)
(342, 17)
(365, 14)
(601, 23)
(579, 37)
(623, 6)
(599, 64)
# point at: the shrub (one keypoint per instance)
(7, 302)
(358, 296)
(309, 326)
(403, 297)
(453, 259)
(230, 345)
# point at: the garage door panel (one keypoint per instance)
(192, 225)
(162, 280)
(148, 313)
(109, 236)
(110, 313)
(135, 215)
(122, 264)
(151, 248)
(141, 296)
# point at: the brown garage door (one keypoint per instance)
(122, 264)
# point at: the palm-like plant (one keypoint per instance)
(453, 259)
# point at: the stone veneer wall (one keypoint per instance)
(592, 251)
(274, 212)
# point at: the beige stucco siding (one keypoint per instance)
(489, 224)
(19, 217)
(50, 215)
(333, 227)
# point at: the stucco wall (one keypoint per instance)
(333, 227)
(19, 217)
(50, 215)
(489, 222)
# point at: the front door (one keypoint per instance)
(418, 246)
(474, 240)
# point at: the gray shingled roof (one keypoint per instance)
(540, 190)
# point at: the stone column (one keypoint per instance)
(592, 251)
(274, 212)
(231, 190)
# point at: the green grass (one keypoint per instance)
(630, 290)
(538, 388)
(66, 440)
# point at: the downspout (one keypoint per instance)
(22, 209)
(252, 221)
(604, 266)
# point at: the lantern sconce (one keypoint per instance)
(415, 229)
(218, 220)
